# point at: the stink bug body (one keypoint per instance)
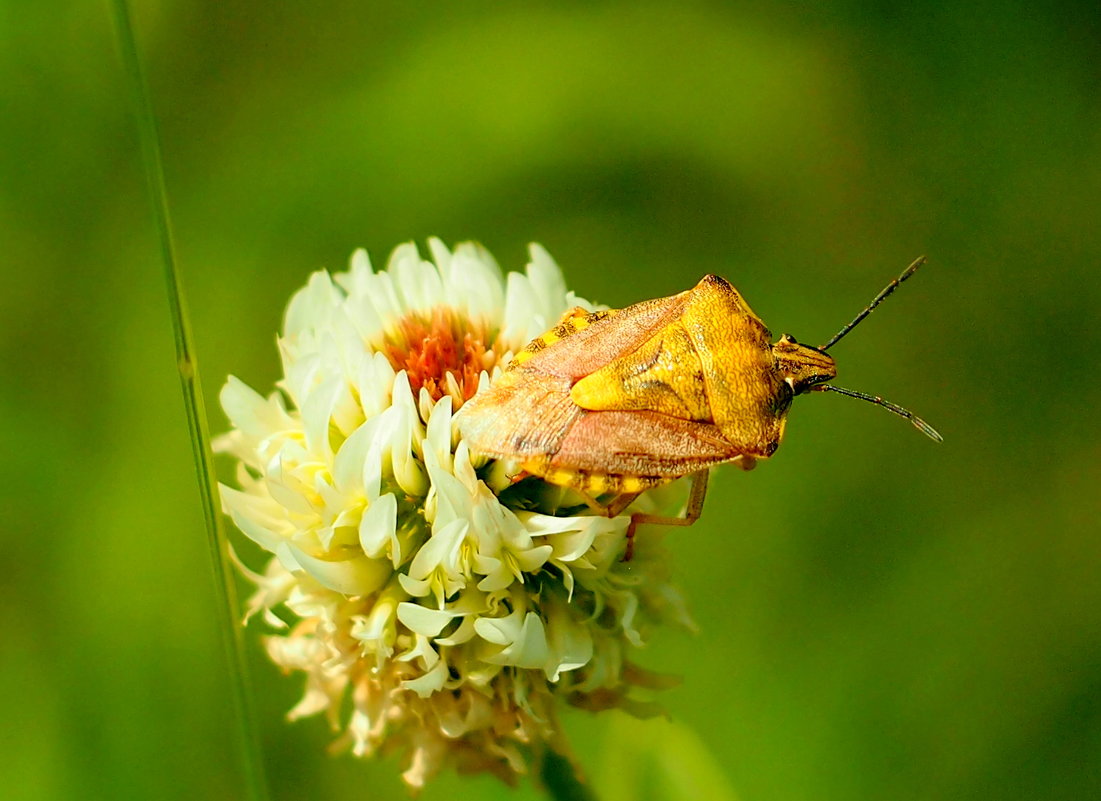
(611, 403)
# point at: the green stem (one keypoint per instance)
(561, 780)
(248, 737)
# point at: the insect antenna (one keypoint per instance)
(882, 296)
(919, 424)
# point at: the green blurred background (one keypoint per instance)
(880, 617)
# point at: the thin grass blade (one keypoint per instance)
(247, 735)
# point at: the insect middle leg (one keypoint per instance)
(618, 504)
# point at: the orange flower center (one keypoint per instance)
(431, 349)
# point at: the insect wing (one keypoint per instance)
(528, 410)
(640, 444)
(522, 415)
(572, 350)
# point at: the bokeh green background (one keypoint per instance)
(880, 617)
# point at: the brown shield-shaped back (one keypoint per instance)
(654, 391)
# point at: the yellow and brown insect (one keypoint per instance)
(611, 403)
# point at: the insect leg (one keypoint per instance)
(613, 508)
(616, 506)
(692, 512)
(619, 503)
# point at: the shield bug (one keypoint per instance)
(611, 403)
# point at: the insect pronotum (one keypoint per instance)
(611, 403)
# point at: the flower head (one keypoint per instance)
(454, 609)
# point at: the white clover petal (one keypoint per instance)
(358, 576)
(255, 416)
(574, 546)
(464, 471)
(441, 255)
(422, 620)
(378, 526)
(436, 568)
(500, 630)
(524, 312)
(300, 370)
(505, 552)
(350, 460)
(317, 415)
(464, 633)
(405, 273)
(405, 437)
(497, 574)
(422, 651)
(469, 712)
(359, 272)
(373, 383)
(250, 515)
(531, 559)
(523, 636)
(453, 501)
(570, 642)
(378, 629)
(273, 587)
(441, 550)
(418, 588)
(364, 317)
(476, 281)
(546, 280)
(311, 304)
(499, 475)
(286, 486)
(438, 435)
(372, 463)
(429, 683)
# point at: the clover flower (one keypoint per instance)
(455, 607)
